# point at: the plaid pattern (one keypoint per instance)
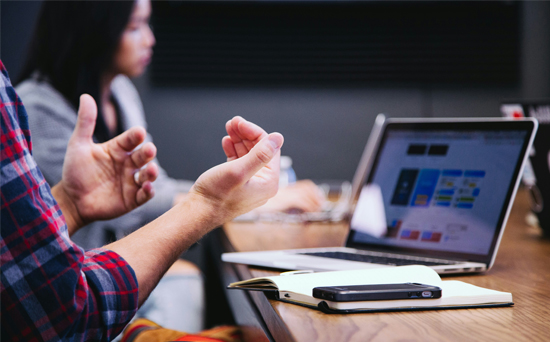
(51, 290)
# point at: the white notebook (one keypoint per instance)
(297, 288)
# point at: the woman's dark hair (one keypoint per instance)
(74, 43)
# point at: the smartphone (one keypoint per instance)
(354, 293)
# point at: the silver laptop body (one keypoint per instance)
(436, 192)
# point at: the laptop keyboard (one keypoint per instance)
(380, 259)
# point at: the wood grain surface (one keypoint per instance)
(522, 267)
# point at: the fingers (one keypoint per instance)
(144, 179)
(263, 154)
(308, 187)
(237, 139)
(144, 155)
(145, 193)
(249, 132)
(313, 197)
(243, 134)
(309, 203)
(147, 174)
(128, 140)
(85, 122)
(229, 148)
(302, 196)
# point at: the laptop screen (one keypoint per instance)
(442, 188)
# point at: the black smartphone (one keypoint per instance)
(354, 293)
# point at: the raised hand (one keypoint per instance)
(302, 196)
(103, 181)
(250, 176)
(242, 137)
(247, 180)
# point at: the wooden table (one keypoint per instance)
(522, 267)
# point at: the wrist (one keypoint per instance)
(68, 207)
(205, 209)
(178, 197)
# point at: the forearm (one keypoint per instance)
(219, 194)
(151, 250)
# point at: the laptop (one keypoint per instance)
(443, 187)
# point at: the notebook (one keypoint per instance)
(298, 289)
(442, 189)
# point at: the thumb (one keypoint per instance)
(262, 154)
(85, 122)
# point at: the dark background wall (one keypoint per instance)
(326, 124)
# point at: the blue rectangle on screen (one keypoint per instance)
(465, 205)
(449, 192)
(475, 192)
(474, 173)
(425, 187)
(443, 204)
(451, 173)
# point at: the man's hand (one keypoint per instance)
(247, 180)
(99, 180)
(302, 196)
(249, 177)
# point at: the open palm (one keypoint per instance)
(99, 178)
(249, 177)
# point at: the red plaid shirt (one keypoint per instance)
(51, 289)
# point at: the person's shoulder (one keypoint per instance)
(43, 102)
(33, 92)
